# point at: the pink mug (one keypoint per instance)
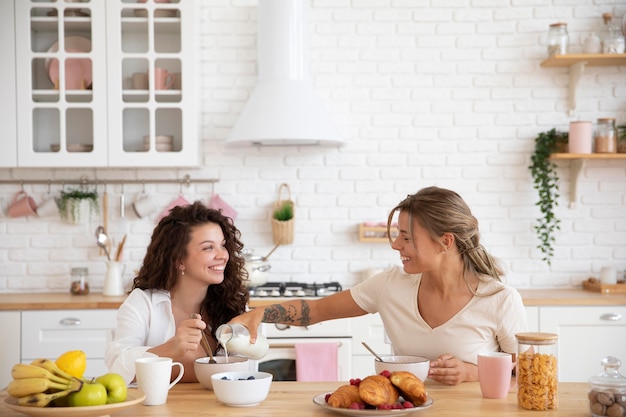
(494, 374)
(22, 205)
(163, 80)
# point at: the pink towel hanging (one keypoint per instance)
(317, 361)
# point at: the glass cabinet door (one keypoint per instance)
(151, 100)
(61, 83)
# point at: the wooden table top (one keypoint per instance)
(287, 399)
(67, 301)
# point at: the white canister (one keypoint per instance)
(608, 275)
(580, 137)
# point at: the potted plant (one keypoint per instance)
(76, 205)
(546, 182)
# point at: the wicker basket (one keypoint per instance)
(283, 230)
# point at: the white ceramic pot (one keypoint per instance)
(257, 270)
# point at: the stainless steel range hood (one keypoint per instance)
(284, 108)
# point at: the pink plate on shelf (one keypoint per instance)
(78, 71)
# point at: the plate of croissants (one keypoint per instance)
(386, 394)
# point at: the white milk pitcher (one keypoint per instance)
(235, 338)
(113, 282)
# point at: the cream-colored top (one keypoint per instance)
(484, 324)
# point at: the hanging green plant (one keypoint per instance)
(284, 212)
(70, 203)
(546, 182)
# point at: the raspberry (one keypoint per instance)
(385, 407)
(355, 381)
(407, 404)
(385, 373)
(354, 406)
(327, 396)
(397, 406)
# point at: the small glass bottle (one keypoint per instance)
(613, 40)
(235, 338)
(79, 285)
(537, 371)
(558, 39)
(606, 136)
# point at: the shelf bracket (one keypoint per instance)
(576, 168)
(575, 72)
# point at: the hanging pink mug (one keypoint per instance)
(22, 205)
(179, 201)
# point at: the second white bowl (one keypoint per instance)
(417, 365)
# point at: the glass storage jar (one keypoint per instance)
(558, 39)
(79, 285)
(606, 136)
(537, 371)
(607, 391)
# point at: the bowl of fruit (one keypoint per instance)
(241, 389)
(417, 365)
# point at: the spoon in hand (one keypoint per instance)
(205, 343)
(372, 351)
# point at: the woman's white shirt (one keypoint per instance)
(484, 324)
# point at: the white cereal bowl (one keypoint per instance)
(417, 365)
(236, 390)
(204, 369)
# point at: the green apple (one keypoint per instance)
(91, 393)
(115, 386)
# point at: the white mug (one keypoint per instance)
(144, 206)
(153, 378)
(48, 207)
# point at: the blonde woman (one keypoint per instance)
(447, 302)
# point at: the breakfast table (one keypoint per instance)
(296, 398)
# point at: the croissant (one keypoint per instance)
(344, 396)
(411, 387)
(377, 390)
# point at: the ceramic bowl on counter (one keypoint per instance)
(204, 370)
(417, 365)
(241, 389)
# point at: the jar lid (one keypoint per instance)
(606, 119)
(79, 271)
(558, 24)
(537, 338)
(610, 378)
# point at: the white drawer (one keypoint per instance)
(49, 333)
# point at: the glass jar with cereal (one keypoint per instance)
(537, 371)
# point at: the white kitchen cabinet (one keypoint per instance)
(9, 344)
(369, 329)
(8, 115)
(49, 333)
(76, 103)
(532, 318)
(586, 335)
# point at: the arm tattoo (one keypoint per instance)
(276, 313)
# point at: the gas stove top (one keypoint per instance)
(295, 289)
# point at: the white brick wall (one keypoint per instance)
(446, 93)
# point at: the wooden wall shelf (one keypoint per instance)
(375, 234)
(592, 60)
(576, 64)
(576, 167)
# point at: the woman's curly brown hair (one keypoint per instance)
(168, 246)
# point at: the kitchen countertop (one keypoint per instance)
(287, 397)
(65, 301)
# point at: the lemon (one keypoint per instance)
(74, 362)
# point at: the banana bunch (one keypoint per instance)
(40, 383)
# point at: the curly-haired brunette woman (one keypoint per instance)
(191, 281)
